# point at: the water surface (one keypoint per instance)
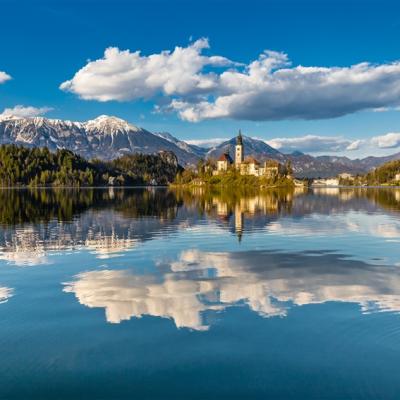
(150, 293)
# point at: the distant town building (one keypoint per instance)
(397, 177)
(346, 175)
(326, 182)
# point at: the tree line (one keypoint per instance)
(39, 205)
(22, 166)
(385, 174)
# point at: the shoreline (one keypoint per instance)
(355, 187)
(190, 185)
(82, 187)
(206, 186)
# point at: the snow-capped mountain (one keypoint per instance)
(107, 137)
(104, 137)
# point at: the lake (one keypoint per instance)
(159, 294)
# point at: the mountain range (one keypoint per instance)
(108, 137)
(104, 137)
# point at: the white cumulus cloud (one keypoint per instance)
(4, 77)
(200, 87)
(355, 145)
(314, 144)
(21, 111)
(122, 75)
(387, 141)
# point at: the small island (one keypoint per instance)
(242, 171)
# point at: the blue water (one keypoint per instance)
(153, 294)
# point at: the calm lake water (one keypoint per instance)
(149, 293)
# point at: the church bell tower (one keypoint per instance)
(239, 150)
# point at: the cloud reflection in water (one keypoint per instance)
(270, 283)
(5, 294)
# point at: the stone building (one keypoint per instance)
(250, 166)
(224, 162)
(272, 169)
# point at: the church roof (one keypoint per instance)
(225, 157)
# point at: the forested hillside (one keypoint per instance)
(385, 174)
(21, 166)
(146, 168)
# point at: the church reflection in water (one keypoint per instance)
(193, 287)
(257, 209)
(109, 222)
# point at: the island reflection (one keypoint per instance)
(108, 222)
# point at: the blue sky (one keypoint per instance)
(219, 83)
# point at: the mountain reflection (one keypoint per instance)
(198, 284)
(108, 222)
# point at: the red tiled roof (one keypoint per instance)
(224, 157)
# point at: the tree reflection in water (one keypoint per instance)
(112, 220)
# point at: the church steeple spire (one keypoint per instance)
(239, 139)
(239, 149)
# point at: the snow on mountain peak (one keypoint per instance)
(7, 117)
(39, 121)
(109, 124)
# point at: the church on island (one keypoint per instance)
(247, 165)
